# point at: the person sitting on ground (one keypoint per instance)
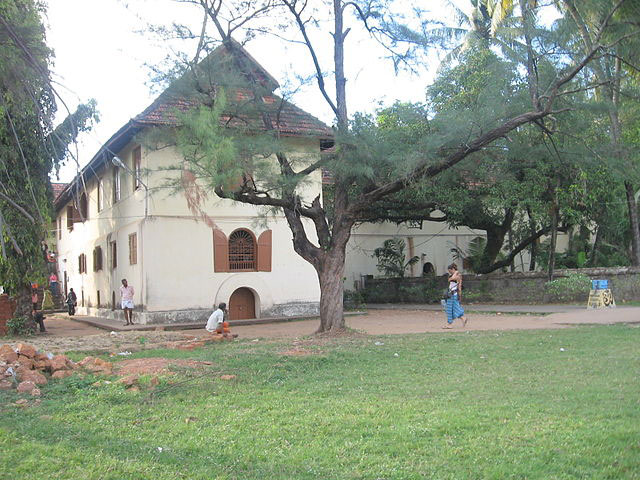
(216, 319)
(38, 317)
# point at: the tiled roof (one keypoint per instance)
(57, 189)
(241, 112)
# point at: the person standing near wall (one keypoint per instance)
(72, 301)
(126, 301)
(53, 283)
(454, 295)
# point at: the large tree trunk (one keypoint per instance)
(495, 241)
(593, 258)
(24, 306)
(633, 220)
(554, 240)
(331, 276)
(23, 301)
(534, 245)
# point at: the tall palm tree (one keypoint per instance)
(487, 22)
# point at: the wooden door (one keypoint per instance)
(242, 305)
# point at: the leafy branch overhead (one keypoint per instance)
(482, 113)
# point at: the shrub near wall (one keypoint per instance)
(404, 290)
(521, 287)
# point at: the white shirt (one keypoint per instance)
(126, 293)
(216, 318)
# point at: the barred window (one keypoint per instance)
(97, 259)
(114, 255)
(242, 251)
(82, 263)
(133, 249)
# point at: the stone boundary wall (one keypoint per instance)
(7, 309)
(517, 287)
(294, 309)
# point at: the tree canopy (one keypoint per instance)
(30, 146)
(486, 110)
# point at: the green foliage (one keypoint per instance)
(30, 147)
(575, 286)
(474, 257)
(403, 291)
(20, 326)
(47, 303)
(391, 258)
(354, 300)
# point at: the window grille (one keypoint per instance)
(242, 251)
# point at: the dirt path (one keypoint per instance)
(389, 322)
(67, 335)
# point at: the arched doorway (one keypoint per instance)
(242, 304)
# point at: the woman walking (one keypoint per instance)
(452, 307)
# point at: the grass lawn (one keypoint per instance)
(447, 406)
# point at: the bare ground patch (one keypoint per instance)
(155, 366)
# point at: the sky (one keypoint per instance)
(101, 50)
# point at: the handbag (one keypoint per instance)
(447, 294)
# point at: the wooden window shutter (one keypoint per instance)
(264, 251)
(133, 249)
(220, 252)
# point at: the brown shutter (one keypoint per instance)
(264, 251)
(220, 252)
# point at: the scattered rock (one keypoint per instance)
(33, 376)
(26, 387)
(25, 361)
(26, 350)
(23, 402)
(227, 377)
(97, 365)
(59, 362)
(41, 364)
(154, 381)
(129, 380)
(60, 374)
(86, 361)
(35, 392)
(40, 357)
(6, 384)
(8, 354)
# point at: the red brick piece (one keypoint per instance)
(26, 350)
